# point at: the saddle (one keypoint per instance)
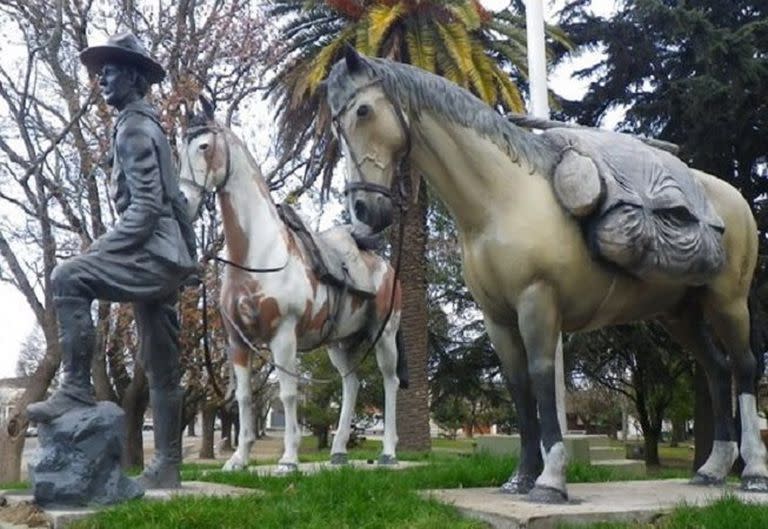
(333, 254)
(641, 208)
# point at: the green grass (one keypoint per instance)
(728, 513)
(441, 471)
(15, 485)
(343, 498)
(372, 499)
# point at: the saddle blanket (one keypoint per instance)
(653, 218)
(333, 253)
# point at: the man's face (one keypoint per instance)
(117, 84)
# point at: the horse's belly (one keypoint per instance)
(629, 300)
(589, 294)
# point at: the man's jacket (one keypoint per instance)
(145, 190)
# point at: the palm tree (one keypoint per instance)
(457, 39)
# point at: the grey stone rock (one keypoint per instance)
(78, 462)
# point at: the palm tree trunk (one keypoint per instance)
(413, 403)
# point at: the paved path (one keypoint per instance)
(59, 518)
(638, 501)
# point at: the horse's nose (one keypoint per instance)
(361, 211)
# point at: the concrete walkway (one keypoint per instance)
(25, 514)
(639, 501)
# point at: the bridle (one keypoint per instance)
(203, 189)
(209, 194)
(402, 163)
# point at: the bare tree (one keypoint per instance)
(53, 154)
(31, 353)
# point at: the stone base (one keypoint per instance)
(60, 517)
(78, 462)
(625, 501)
(577, 447)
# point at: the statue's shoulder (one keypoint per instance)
(139, 119)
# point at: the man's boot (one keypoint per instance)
(163, 471)
(76, 339)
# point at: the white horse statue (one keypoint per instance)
(285, 306)
(517, 199)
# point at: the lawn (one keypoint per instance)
(373, 499)
(728, 513)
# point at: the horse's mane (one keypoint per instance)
(415, 89)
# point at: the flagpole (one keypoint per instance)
(537, 77)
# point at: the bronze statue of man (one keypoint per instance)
(143, 259)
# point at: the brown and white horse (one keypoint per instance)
(287, 309)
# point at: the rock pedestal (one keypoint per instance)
(78, 462)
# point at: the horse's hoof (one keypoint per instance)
(230, 466)
(541, 494)
(704, 480)
(283, 469)
(385, 459)
(518, 485)
(339, 458)
(754, 484)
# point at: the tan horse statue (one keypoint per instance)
(526, 259)
(272, 296)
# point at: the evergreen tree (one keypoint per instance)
(695, 73)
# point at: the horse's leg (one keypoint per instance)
(350, 382)
(241, 362)
(539, 322)
(283, 347)
(509, 348)
(386, 357)
(731, 323)
(691, 332)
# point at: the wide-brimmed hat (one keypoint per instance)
(122, 48)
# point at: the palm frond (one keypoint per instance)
(380, 21)
(420, 41)
(482, 75)
(508, 91)
(320, 65)
(458, 44)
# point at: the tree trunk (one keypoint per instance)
(10, 456)
(321, 433)
(99, 372)
(678, 433)
(206, 445)
(134, 405)
(12, 435)
(226, 430)
(191, 427)
(413, 403)
(703, 421)
(651, 440)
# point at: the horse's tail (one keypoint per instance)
(402, 361)
(758, 332)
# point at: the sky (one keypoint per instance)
(17, 320)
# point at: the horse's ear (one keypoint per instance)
(207, 107)
(353, 59)
(188, 111)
